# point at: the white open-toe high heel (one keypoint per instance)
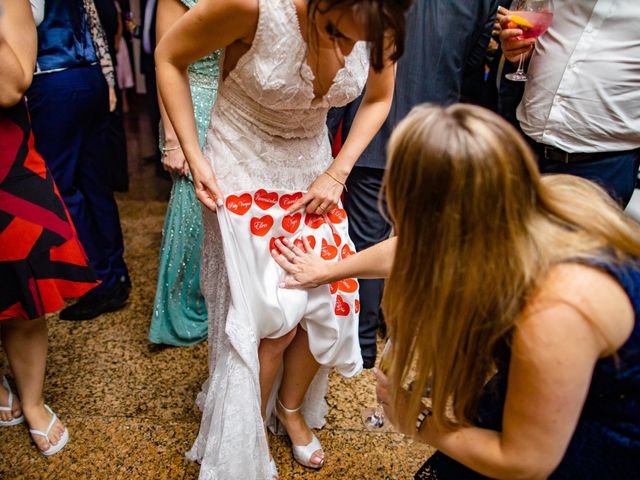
(9, 408)
(302, 453)
(63, 439)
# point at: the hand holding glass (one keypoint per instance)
(533, 18)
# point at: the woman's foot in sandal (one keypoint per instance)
(10, 410)
(306, 448)
(47, 431)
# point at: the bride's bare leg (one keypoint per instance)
(299, 369)
(270, 354)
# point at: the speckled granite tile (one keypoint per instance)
(102, 448)
(112, 360)
(347, 398)
(355, 455)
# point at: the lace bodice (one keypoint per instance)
(267, 129)
(272, 85)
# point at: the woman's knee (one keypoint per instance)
(275, 347)
(24, 326)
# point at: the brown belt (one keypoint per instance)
(556, 155)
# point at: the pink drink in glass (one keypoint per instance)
(540, 22)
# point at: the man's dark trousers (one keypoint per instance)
(615, 172)
(69, 113)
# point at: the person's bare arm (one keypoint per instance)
(305, 269)
(209, 26)
(371, 114)
(18, 50)
(173, 159)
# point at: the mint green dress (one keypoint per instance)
(179, 312)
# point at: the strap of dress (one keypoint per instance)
(277, 25)
(276, 39)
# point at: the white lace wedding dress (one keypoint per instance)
(267, 131)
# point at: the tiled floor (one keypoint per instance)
(129, 405)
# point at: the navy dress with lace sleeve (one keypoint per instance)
(606, 442)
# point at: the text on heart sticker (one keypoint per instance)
(265, 200)
(239, 204)
(261, 226)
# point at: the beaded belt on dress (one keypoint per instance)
(282, 123)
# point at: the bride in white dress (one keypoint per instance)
(286, 63)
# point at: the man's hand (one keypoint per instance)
(512, 45)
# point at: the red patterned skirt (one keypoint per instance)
(41, 260)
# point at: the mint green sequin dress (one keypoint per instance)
(179, 313)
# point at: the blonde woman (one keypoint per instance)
(512, 296)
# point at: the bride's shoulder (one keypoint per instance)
(247, 7)
(237, 16)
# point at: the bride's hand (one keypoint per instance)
(304, 269)
(206, 186)
(323, 194)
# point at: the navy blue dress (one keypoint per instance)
(606, 443)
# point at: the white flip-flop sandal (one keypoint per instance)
(63, 439)
(9, 408)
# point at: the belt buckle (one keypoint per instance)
(549, 150)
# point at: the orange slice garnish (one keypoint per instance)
(521, 22)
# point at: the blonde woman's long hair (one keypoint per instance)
(478, 228)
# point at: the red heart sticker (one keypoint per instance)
(346, 252)
(314, 220)
(265, 200)
(291, 222)
(287, 200)
(272, 243)
(337, 239)
(342, 308)
(328, 252)
(357, 309)
(311, 239)
(261, 226)
(349, 285)
(337, 215)
(333, 287)
(239, 205)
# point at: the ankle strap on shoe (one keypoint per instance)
(287, 410)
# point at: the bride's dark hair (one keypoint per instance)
(384, 24)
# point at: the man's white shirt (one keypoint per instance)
(584, 90)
